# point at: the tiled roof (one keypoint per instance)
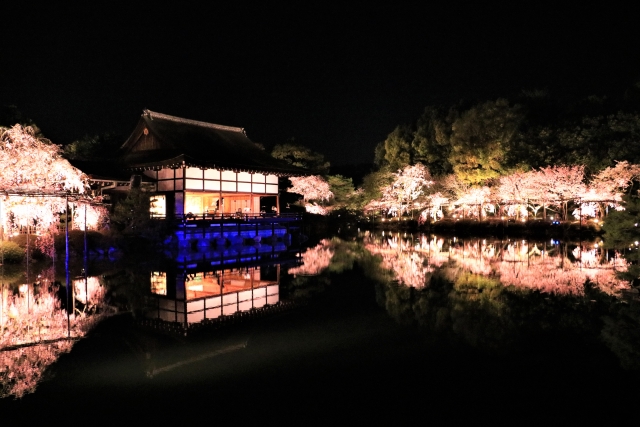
(164, 140)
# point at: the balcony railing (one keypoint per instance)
(231, 217)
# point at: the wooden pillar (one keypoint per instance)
(251, 196)
(66, 265)
(2, 305)
(220, 208)
(1, 223)
(221, 279)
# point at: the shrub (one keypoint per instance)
(96, 242)
(12, 252)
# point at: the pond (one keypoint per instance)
(363, 327)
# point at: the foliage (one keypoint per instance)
(97, 242)
(374, 183)
(621, 333)
(96, 147)
(537, 145)
(431, 141)
(45, 243)
(12, 253)
(622, 227)
(395, 151)
(131, 215)
(481, 138)
(301, 156)
(428, 142)
(345, 196)
(11, 115)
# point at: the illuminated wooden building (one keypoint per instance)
(202, 169)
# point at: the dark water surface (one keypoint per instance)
(366, 346)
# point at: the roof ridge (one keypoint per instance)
(153, 114)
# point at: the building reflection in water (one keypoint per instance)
(201, 283)
(186, 296)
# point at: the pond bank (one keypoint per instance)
(465, 227)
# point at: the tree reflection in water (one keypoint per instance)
(314, 260)
(35, 328)
(514, 263)
(492, 294)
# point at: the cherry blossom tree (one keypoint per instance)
(94, 216)
(475, 197)
(312, 188)
(407, 186)
(317, 209)
(35, 179)
(607, 189)
(620, 176)
(435, 202)
(34, 164)
(558, 185)
(516, 190)
(518, 193)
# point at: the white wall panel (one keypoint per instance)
(193, 184)
(272, 189)
(212, 185)
(212, 174)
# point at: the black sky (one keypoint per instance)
(336, 79)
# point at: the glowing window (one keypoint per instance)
(158, 283)
(158, 205)
(193, 203)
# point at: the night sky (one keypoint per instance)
(336, 79)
